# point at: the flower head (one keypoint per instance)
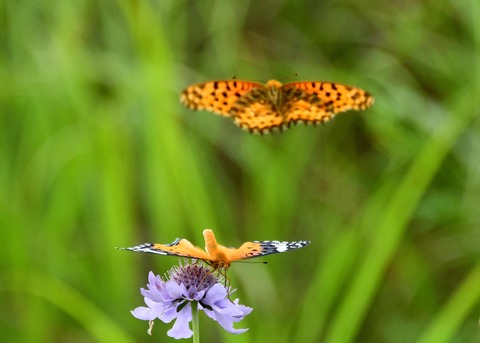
(171, 298)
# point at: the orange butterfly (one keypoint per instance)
(217, 255)
(274, 107)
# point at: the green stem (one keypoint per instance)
(195, 326)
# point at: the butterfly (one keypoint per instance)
(218, 256)
(261, 108)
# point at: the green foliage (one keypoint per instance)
(96, 152)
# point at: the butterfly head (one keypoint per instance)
(221, 264)
(273, 84)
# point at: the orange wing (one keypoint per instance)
(180, 247)
(257, 113)
(327, 100)
(263, 248)
(222, 257)
(216, 96)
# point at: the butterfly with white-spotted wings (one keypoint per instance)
(217, 255)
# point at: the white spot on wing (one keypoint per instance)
(281, 246)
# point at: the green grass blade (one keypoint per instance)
(392, 223)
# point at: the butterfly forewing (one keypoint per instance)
(216, 96)
(180, 247)
(263, 248)
(335, 97)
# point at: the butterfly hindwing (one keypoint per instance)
(256, 113)
(302, 107)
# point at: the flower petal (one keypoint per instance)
(170, 314)
(181, 328)
(144, 313)
(173, 289)
(226, 313)
(199, 295)
(216, 293)
(225, 321)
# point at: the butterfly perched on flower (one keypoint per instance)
(261, 108)
(218, 256)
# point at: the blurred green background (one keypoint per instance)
(97, 152)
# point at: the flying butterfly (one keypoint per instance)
(261, 108)
(218, 256)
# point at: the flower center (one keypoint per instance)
(194, 276)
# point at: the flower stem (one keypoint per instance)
(195, 326)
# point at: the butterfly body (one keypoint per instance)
(219, 256)
(274, 107)
(275, 95)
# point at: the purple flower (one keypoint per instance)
(171, 299)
